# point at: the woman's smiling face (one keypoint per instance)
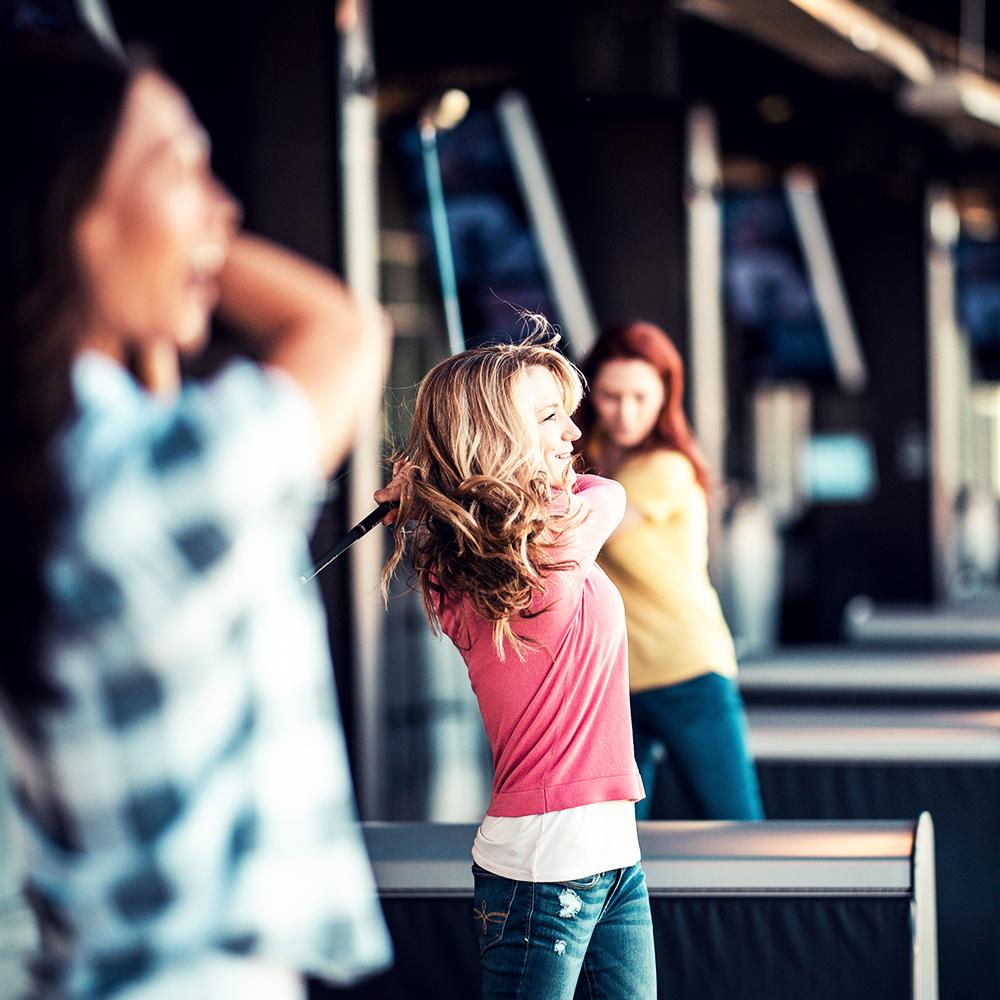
(556, 431)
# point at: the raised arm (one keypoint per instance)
(657, 488)
(309, 326)
(602, 505)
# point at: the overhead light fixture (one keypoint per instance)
(864, 38)
(445, 111)
(869, 33)
(955, 94)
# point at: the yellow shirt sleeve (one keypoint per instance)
(659, 562)
(658, 484)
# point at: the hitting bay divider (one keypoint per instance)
(846, 675)
(823, 763)
(825, 911)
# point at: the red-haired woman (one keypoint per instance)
(681, 659)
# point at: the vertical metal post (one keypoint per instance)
(945, 380)
(924, 920)
(824, 277)
(359, 221)
(706, 327)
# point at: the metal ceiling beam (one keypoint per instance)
(837, 38)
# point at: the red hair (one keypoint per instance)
(644, 341)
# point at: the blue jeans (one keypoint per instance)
(535, 938)
(702, 725)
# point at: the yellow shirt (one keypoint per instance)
(660, 564)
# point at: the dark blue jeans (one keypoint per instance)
(702, 726)
(536, 939)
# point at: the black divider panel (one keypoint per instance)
(436, 954)
(790, 948)
(707, 948)
(964, 801)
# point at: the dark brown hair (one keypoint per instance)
(61, 100)
(642, 341)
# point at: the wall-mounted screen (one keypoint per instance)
(767, 290)
(977, 285)
(839, 468)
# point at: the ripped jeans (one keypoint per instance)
(537, 939)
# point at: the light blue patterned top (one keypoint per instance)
(192, 791)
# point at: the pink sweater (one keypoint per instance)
(558, 722)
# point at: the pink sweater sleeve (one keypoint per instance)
(601, 506)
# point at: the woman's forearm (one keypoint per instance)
(307, 324)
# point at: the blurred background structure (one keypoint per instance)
(804, 193)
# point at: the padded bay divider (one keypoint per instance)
(846, 675)
(854, 763)
(828, 911)
(973, 624)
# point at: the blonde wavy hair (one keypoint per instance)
(476, 515)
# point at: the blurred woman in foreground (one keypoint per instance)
(165, 685)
